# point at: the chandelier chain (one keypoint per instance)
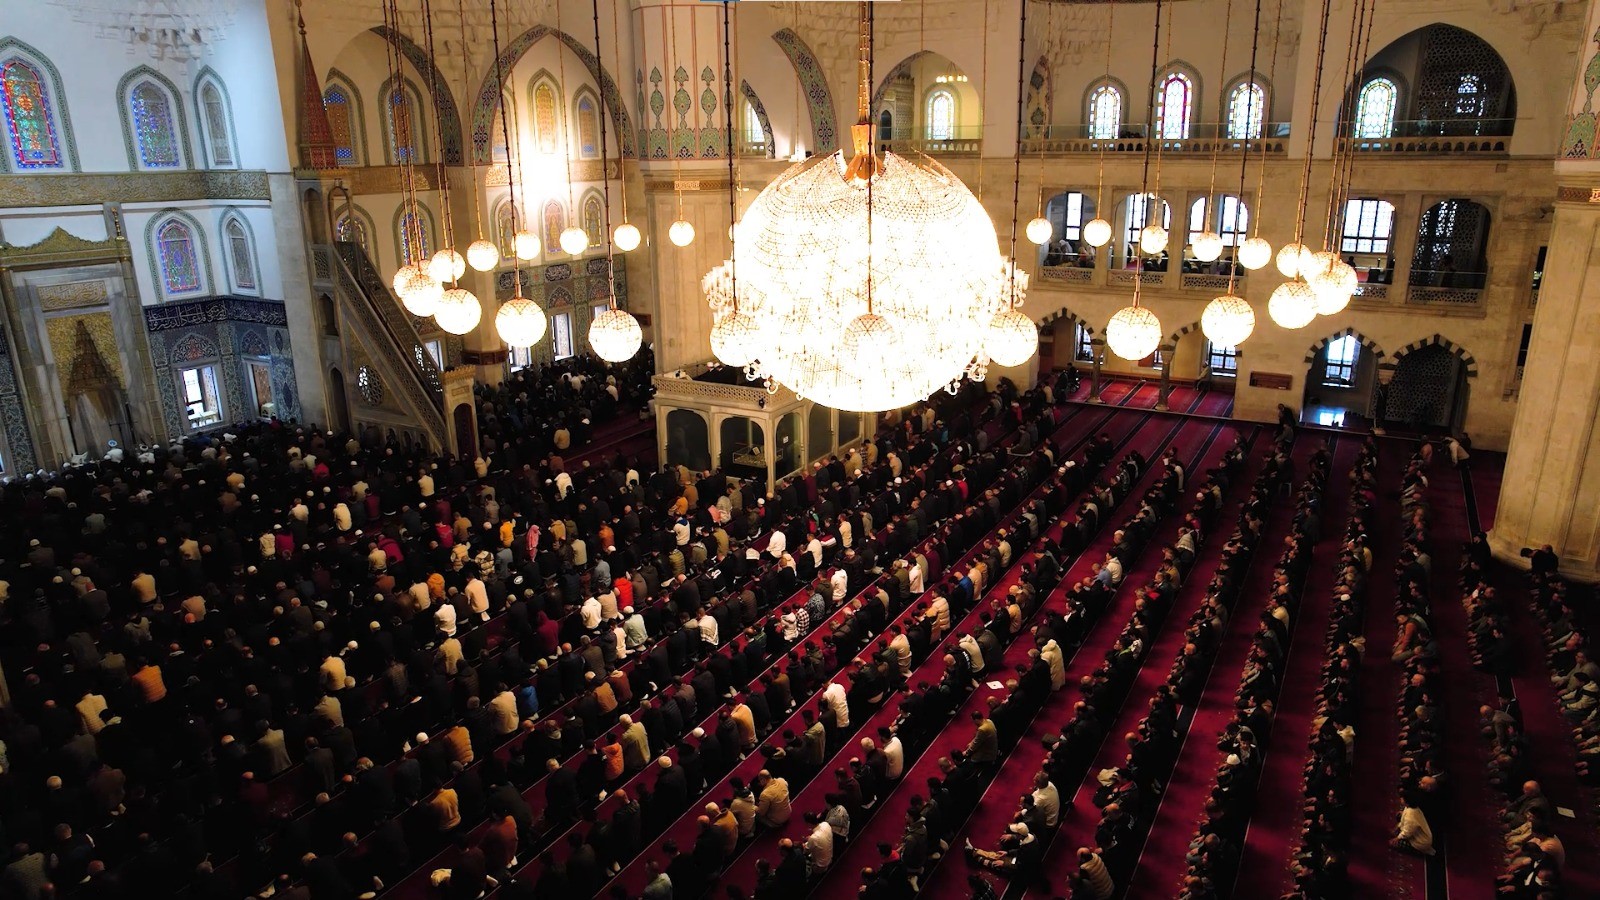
(1272, 86)
(1216, 140)
(1358, 22)
(1244, 157)
(1016, 170)
(466, 92)
(438, 130)
(605, 174)
(1150, 117)
(1311, 136)
(733, 197)
(505, 135)
(1100, 185)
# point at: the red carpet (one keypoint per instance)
(1161, 866)
(887, 822)
(1019, 768)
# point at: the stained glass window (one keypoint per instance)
(753, 134)
(555, 221)
(1469, 96)
(402, 131)
(180, 262)
(29, 117)
(1174, 104)
(941, 116)
(349, 228)
(588, 128)
(546, 121)
(1232, 219)
(413, 238)
(153, 127)
(1246, 106)
(1375, 109)
(506, 229)
(1138, 212)
(214, 113)
(1368, 226)
(336, 103)
(1105, 113)
(244, 270)
(592, 218)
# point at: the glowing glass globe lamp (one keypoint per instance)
(526, 245)
(1039, 230)
(1289, 259)
(1133, 333)
(403, 277)
(574, 241)
(520, 322)
(1152, 240)
(615, 335)
(1206, 246)
(483, 255)
(680, 233)
(1293, 305)
(626, 237)
(1011, 338)
(1227, 321)
(447, 265)
(458, 311)
(420, 294)
(1255, 253)
(1097, 232)
(1334, 288)
(733, 339)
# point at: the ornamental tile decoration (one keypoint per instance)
(73, 294)
(449, 118)
(211, 310)
(74, 189)
(13, 417)
(819, 100)
(486, 104)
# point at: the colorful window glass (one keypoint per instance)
(546, 124)
(244, 270)
(941, 116)
(350, 229)
(153, 126)
(180, 262)
(1174, 105)
(402, 134)
(593, 216)
(1105, 113)
(29, 117)
(1246, 106)
(588, 129)
(336, 103)
(555, 222)
(214, 113)
(413, 238)
(1375, 109)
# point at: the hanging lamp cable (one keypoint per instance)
(1144, 178)
(1016, 168)
(1244, 157)
(505, 135)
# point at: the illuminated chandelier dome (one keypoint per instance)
(938, 279)
(615, 335)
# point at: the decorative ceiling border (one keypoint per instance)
(61, 246)
(76, 188)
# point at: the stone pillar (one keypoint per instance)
(1097, 352)
(1552, 474)
(1166, 377)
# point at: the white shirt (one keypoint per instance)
(834, 696)
(478, 597)
(708, 630)
(916, 579)
(446, 617)
(777, 544)
(896, 755)
(814, 547)
(1047, 800)
(819, 845)
(590, 613)
(840, 582)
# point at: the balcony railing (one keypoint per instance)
(1457, 298)
(1199, 137)
(1068, 274)
(1447, 136)
(961, 140)
(1371, 291)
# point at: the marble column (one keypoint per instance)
(1551, 492)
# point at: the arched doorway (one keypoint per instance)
(339, 401)
(1340, 374)
(1451, 239)
(790, 449)
(1429, 391)
(819, 431)
(466, 426)
(688, 440)
(744, 450)
(316, 213)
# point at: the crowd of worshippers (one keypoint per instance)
(1416, 651)
(1321, 860)
(548, 408)
(279, 640)
(1576, 676)
(795, 758)
(1128, 795)
(1214, 851)
(1488, 639)
(1019, 850)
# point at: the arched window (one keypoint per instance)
(753, 133)
(155, 127)
(340, 110)
(546, 119)
(1140, 210)
(555, 222)
(1450, 241)
(29, 117)
(941, 115)
(1339, 365)
(349, 228)
(179, 258)
(215, 122)
(413, 228)
(1247, 105)
(1375, 109)
(1174, 105)
(1067, 214)
(1231, 219)
(588, 128)
(593, 220)
(240, 255)
(404, 125)
(1368, 226)
(1105, 113)
(505, 219)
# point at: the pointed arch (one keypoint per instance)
(586, 123)
(814, 84)
(354, 224)
(753, 106)
(444, 104)
(1065, 313)
(55, 147)
(405, 122)
(214, 112)
(155, 128)
(592, 216)
(1247, 106)
(505, 228)
(1105, 108)
(1438, 340)
(486, 104)
(404, 217)
(1367, 344)
(180, 260)
(547, 113)
(553, 218)
(1039, 100)
(347, 119)
(239, 252)
(1177, 102)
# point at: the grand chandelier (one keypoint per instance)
(869, 283)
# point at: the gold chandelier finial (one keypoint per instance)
(864, 164)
